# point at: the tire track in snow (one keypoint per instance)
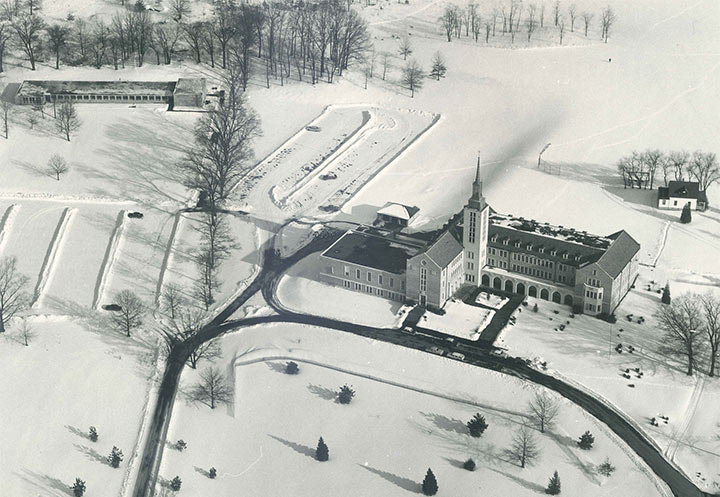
(6, 224)
(109, 259)
(228, 475)
(167, 258)
(47, 270)
(682, 430)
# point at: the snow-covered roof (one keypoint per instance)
(399, 211)
(35, 87)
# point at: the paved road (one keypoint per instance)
(267, 281)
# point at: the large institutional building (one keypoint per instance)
(481, 247)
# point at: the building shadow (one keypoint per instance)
(404, 483)
(323, 392)
(299, 448)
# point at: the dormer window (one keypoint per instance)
(517, 244)
(541, 250)
(553, 252)
(529, 246)
(505, 241)
(577, 257)
(565, 255)
(493, 238)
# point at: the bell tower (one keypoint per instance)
(475, 231)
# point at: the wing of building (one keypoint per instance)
(481, 247)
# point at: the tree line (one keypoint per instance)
(513, 18)
(639, 169)
(316, 39)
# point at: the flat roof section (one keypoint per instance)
(383, 254)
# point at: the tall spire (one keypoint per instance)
(477, 200)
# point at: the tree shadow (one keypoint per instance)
(447, 424)
(404, 483)
(44, 483)
(91, 454)
(455, 462)
(33, 169)
(203, 472)
(299, 448)
(77, 431)
(521, 481)
(276, 366)
(323, 392)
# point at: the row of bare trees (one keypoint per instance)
(639, 169)
(320, 39)
(692, 326)
(513, 17)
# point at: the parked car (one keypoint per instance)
(498, 352)
(435, 350)
(112, 307)
(328, 175)
(457, 355)
(315, 129)
(407, 330)
(135, 215)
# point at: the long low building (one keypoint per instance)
(185, 92)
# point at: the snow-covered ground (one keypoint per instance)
(300, 291)
(73, 375)
(460, 320)
(584, 353)
(491, 300)
(409, 413)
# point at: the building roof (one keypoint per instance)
(190, 85)
(35, 87)
(622, 249)
(681, 189)
(444, 250)
(399, 211)
(373, 249)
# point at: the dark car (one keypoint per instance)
(135, 215)
(112, 307)
(328, 175)
(316, 129)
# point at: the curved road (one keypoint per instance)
(266, 282)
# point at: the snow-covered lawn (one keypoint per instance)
(460, 320)
(584, 352)
(300, 291)
(491, 300)
(384, 441)
(66, 380)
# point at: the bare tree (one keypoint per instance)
(524, 447)
(179, 9)
(216, 244)
(5, 34)
(405, 48)
(58, 37)
(682, 322)
(449, 20)
(26, 332)
(652, 159)
(710, 304)
(556, 12)
(542, 14)
(531, 23)
(677, 162)
(172, 300)
(130, 315)
(412, 77)
(561, 29)
(13, 298)
(587, 19)
(704, 169)
(100, 42)
(212, 389)
(208, 351)
(608, 19)
(544, 408)
(67, 121)
(572, 12)
(32, 120)
(194, 34)
(223, 139)
(28, 29)
(385, 61)
(57, 166)
(5, 111)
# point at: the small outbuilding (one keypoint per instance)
(678, 193)
(190, 92)
(394, 214)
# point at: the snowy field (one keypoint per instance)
(68, 379)
(584, 353)
(460, 320)
(300, 291)
(384, 441)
